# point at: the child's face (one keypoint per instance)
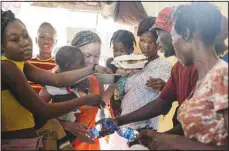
(46, 39)
(79, 64)
(119, 49)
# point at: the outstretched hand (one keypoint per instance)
(103, 70)
(80, 131)
(157, 141)
(104, 130)
(95, 100)
(155, 83)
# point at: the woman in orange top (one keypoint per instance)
(89, 43)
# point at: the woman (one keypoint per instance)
(137, 87)
(137, 92)
(89, 43)
(18, 129)
(204, 114)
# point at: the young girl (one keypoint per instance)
(123, 43)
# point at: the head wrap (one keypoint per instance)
(85, 37)
(164, 19)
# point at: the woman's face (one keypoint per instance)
(119, 49)
(17, 44)
(91, 53)
(147, 45)
(183, 48)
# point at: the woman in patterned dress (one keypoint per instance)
(138, 91)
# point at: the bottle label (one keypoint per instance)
(128, 133)
(94, 132)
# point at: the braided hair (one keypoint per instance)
(6, 18)
(126, 38)
(203, 18)
(85, 37)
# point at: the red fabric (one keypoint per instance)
(48, 64)
(163, 20)
(180, 84)
(43, 64)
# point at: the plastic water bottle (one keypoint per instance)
(106, 125)
(125, 132)
(128, 133)
(95, 131)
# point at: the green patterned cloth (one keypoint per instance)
(120, 91)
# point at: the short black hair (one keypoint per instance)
(203, 18)
(144, 26)
(68, 55)
(46, 24)
(126, 38)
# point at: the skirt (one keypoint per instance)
(22, 144)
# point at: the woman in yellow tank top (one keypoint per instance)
(18, 97)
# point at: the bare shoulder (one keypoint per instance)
(8, 66)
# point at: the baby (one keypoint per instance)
(67, 58)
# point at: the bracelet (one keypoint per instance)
(93, 68)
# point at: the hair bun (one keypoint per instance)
(6, 16)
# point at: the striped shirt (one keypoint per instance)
(47, 64)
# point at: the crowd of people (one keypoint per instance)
(53, 111)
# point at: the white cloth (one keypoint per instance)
(138, 147)
(137, 94)
(70, 117)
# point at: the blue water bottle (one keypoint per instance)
(128, 133)
(106, 125)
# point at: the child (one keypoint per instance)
(123, 42)
(67, 58)
(45, 40)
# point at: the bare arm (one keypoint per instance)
(61, 98)
(45, 77)
(148, 111)
(26, 96)
(177, 130)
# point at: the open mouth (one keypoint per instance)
(46, 46)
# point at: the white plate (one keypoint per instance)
(129, 57)
(138, 65)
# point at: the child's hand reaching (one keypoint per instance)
(95, 100)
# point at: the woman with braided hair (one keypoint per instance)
(89, 44)
(17, 129)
